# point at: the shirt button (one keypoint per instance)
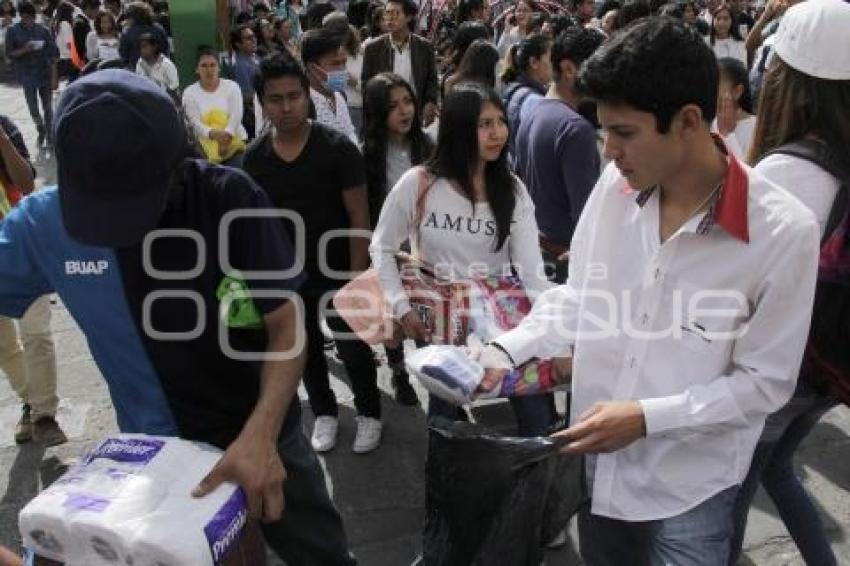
(644, 319)
(632, 362)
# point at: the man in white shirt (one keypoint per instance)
(324, 58)
(686, 309)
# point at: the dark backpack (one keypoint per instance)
(521, 92)
(826, 363)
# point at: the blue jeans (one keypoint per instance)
(310, 530)
(535, 414)
(699, 537)
(773, 464)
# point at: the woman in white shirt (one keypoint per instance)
(214, 108)
(476, 218)
(735, 120)
(63, 31)
(103, 41)
(393, 142)
(805, 100)
(725, 37)
(523, 15)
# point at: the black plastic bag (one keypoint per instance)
(494, 500)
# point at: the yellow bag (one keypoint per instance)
(217, 120)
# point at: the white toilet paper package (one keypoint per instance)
(129, 502)
(449, 373)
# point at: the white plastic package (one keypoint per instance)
(129, 502)
(447, 372)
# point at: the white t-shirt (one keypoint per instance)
(103, 48)
(162, 72)
(402, 64)
(730, 48)
(398, 163)
(813, 186)
(508, 39)
(337, 118)
(227, 97)
(454, 238)
(64, 37)
(739, 141)
(354, 66)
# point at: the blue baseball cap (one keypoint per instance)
(118, 140)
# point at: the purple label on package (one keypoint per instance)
(129, 450)
(86, 502)
(225, 528)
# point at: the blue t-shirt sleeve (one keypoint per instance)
(260, 244)
(21, 279)
(576, 152)
(14, 39)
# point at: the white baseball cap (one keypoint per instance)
(814, 38)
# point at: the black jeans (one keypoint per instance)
(32, 94)
(310, 532)
(356, 356)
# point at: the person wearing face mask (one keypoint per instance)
(324, 58)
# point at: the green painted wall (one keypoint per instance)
(193, 23)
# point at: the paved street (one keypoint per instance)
(380, 495)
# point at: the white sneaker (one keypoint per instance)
(324, 433)
(368, 434)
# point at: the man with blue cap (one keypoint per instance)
(185, 291)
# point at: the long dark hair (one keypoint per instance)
(376, 109)
(264, 47)
(64, 13)
(466, 33)
(520, 55)
(465, 8)
(457, 154)
(98, 23)
(736, 73)
(479, 63)
(734, 31)
(794, 105)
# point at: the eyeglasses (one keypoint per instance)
(249, 36)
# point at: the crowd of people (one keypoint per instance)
(660, 155)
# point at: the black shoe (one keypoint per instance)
(23, 430)
(46, 431)
(404, 392)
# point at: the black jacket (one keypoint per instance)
(378, 58)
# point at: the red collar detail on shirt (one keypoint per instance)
(730, 210)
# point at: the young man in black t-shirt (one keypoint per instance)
(318, 175)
